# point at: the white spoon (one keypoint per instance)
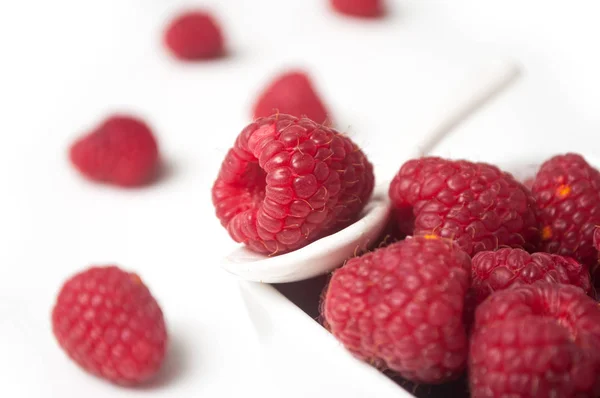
(329, 252)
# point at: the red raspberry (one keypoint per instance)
(194, 35)
(107, 321)
(475, 204)
(291, 93)
(596, 239)
(121, 150)
(567, 191)
(504, 268)
(359, 8)
(540, 340)
(289, 181)
(401, 308)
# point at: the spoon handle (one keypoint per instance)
(478, 90)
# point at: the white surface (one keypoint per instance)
(65, 63)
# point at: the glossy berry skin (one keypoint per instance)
(292, 93)
(498, 270)
(121, 150)
(107, 321)
(567, 192)
(475, 204)
(540, 340)
(359, 8)
(401, 308)
(289, 181)
(193, 36)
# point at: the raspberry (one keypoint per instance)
(291, 93)
(289, 181)
(540, 340)
(359, 8)
(475, 204)
(401, 308)
(567, 192)
(194, 35)
(121, 151)
(107, 321)
(498, 270)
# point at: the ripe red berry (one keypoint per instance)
(504, 268)
(292, 93)
(289, 181)
(359, 8)
(567, 192)
(475, 204)
(121, 151)
(540, 340)
(194, 35)
(107, 321)
(401, 308)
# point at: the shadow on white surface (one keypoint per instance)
(176, 367)
(167, 170)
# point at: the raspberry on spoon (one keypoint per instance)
(289, 181)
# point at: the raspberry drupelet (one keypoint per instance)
(507, 267)
(288, 181)
(359, 8)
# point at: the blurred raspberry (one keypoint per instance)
(194, 35)
(292, 93)
(121, 150)
(107, 321)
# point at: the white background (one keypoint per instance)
(65, 64)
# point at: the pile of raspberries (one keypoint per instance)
(492, 278)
